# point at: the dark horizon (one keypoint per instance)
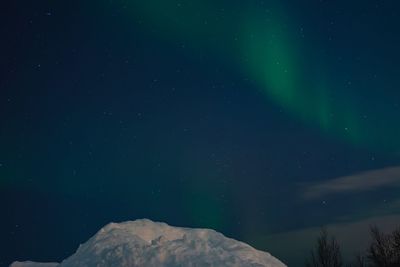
(263, 120)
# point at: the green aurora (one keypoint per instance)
(265, 46)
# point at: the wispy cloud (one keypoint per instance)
(364, 181)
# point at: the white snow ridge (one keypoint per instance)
(143, 243)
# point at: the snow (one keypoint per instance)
(146, 243)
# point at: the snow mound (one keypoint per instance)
(146, 243)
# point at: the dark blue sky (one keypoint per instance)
(119, 110)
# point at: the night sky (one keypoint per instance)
(263, 120)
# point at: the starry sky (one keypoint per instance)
(263, 120)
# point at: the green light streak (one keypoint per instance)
(266, 48)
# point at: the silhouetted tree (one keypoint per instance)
(326, 252)
(396, 243)
(384, 250)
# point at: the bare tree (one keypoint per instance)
(396, 244)
(378, 252)
(384, 250)
(326, 252)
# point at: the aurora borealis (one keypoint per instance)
(263, 120)
(267, 44)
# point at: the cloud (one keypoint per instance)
(359, 182)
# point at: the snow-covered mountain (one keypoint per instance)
(147, 244)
